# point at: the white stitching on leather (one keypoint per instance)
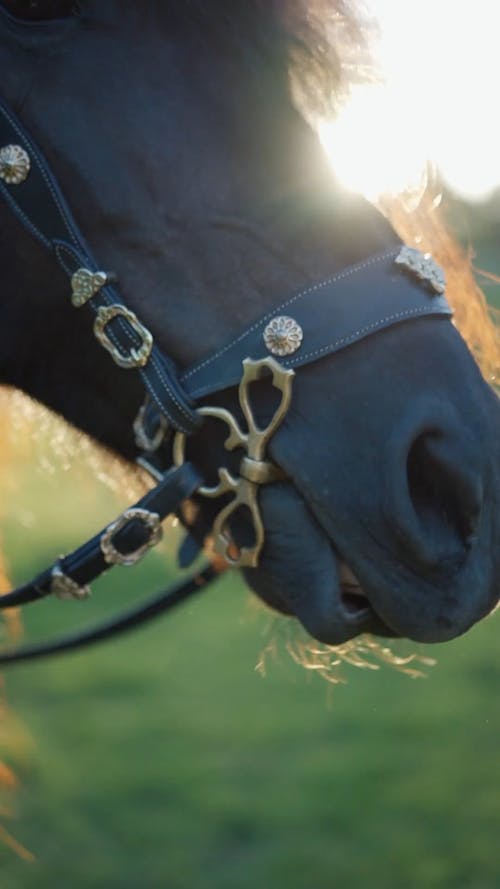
(159, 370)
(345, 340)
(26, 220)
(46, 178)
(338, 277)
(419, 310)
(159, 404)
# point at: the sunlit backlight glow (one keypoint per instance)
(440, 66)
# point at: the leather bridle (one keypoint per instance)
(384, 290)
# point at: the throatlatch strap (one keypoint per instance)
(39, 204)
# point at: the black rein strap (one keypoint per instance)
(123, 542)
(127, 539)
(128, 620)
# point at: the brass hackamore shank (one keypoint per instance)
(254, 469)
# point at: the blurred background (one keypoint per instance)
(197, 752)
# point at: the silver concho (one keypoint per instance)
(14, 164)
(85, 284)
(283, 335)
(423, 266)
(64, 587)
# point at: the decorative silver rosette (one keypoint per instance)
(283, 335)
(423, 266)
(14, 164)
(85, 284)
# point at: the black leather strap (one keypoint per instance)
(41, 207)
(356, 303)
(87, 562)
(129, 620)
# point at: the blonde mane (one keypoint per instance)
(426, 229)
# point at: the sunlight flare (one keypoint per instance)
(435, 102)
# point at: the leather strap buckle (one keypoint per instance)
(64, 587)
(138, 355)
(112, 555)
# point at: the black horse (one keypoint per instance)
(175, 139)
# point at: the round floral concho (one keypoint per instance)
(14, 164)
(283, 335)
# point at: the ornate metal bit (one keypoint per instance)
(137, 357)
(14, 164)
(113, 556)
(85, 284)
(283, 335)
(254, 469)
(423, 266)
(64, 587)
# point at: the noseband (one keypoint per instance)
(384, 290)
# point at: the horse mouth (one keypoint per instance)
(355, 603)
(358, 610)
(354, 600)
(426, 617)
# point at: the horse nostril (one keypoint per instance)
(445, 492)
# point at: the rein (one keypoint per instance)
(384, 290)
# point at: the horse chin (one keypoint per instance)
(301, 574)
(435, 607)
(338, 597)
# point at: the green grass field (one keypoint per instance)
(167, 760)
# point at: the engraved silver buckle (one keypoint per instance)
(64, 587)
(113, 556)
(138, 356)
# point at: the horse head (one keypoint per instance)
(196, 180)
